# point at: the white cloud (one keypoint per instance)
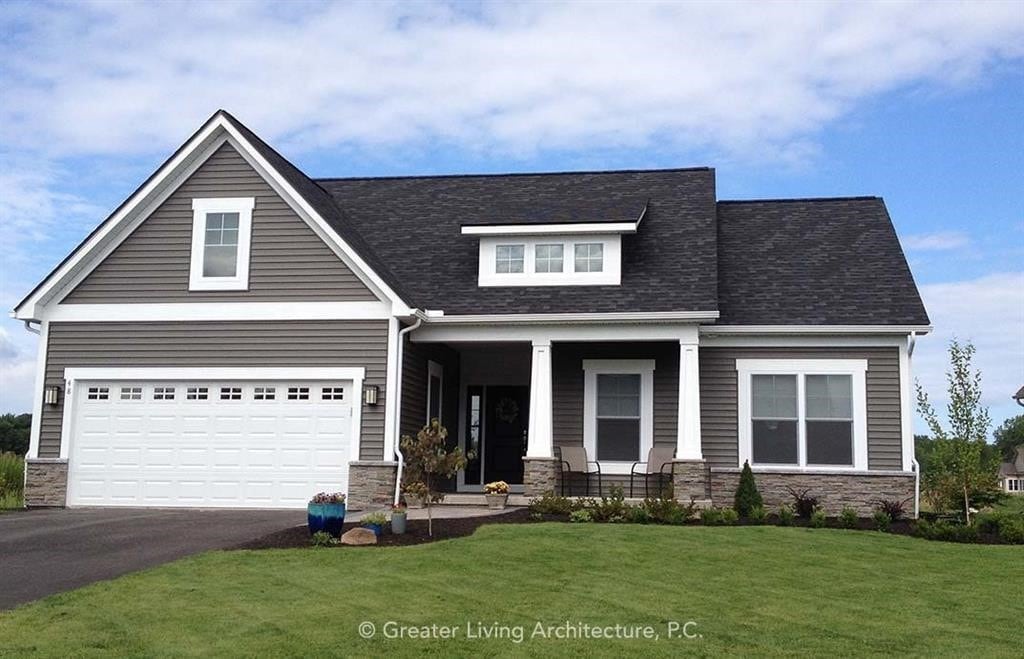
(988, 311)
(935, 242)
(756, 79)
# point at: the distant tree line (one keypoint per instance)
(14, 432)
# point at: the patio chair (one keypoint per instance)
(575, 462)
(659, 464)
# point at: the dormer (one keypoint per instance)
(551, 253)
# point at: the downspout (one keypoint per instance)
(28, 326)
(911, 342)
(398, 404)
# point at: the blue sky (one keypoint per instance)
(921, 104)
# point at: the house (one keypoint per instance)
(1011, 474)
(238, 334)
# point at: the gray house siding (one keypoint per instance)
(414, 387)
(356, 343)
(719, 395)
(288, 261)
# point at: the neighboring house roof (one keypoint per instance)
(813, 262)
(1007, 469)
(1019, 395)
(413, 223)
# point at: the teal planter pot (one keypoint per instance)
(329, 517)
(376, 528)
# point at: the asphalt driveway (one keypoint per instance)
(49, 551)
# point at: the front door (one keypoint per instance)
(505, 424)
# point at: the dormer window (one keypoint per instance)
(589, 257)
(221, 233)
(509, 258)
(549, 258)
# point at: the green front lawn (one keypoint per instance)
(751, 591)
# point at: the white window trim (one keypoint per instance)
(594, 367)
(200, 208)
(435, 370)
(856, 368)
(611, 272)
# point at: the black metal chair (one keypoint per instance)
(659, 458)
(575, 462)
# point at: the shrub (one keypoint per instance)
(730, 516)
(818, 519)
(894, 509)
(610, 508)
(12, 480)
(536, 517)
(747, 496)
(758, 514)
(882, 520)
(550, 503)
(667, 511)
(639, 515)
(946, 531)
(711, 516)
(803, 502)
(377, 519)
(582, 515)
(323, 539)
(785, 516)
(848, 518)
(1011, 530)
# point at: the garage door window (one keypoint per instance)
(264, 393)
(163, 393)
(333, 393)
(98, 393)
(196, 393)
(298, 393)
(231, 393)
(131, 393)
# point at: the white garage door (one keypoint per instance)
(208, 444)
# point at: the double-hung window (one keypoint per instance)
(221, 234)
(618, 411)
(803, 414)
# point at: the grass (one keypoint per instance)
(12, 481)
(751, 591)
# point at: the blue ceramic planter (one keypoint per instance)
(376, 528)
(329, 517)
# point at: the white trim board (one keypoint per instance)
(654, 317)
(591, 369)
(578, 228)
(199, 311)
(40, 385)
(430, 332)
(814, 329)
(168, 178)
(856, 368)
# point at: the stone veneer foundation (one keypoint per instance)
(46, 482)
(690, 480)
(540, 475)
(860, 490)
(371, 483)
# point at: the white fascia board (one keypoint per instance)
(678, 332)
(577, 228)
(734, 330)
(201, 373)
(573, 318)
(211, 311)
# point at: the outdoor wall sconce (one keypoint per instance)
(51, 395)
(370, 393)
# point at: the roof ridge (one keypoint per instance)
(785, 200)
(516, 174)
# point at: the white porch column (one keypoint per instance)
(539, 442)
(688, 432)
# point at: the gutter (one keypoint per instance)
(28, 326)
(398, 402)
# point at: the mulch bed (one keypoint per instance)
(457, 527)
(415, 531)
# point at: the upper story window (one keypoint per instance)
(549, 257)
(589, 257)
(221, 234)
(509, 258)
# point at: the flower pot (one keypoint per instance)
(329, 517)
(398, 523)
(414, 500)
(496, 501)
(376, 528)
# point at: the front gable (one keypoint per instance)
(288, 261)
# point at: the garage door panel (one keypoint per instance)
(254, 448)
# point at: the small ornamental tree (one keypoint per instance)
(959, 468)
(428, 459)
(747, 496)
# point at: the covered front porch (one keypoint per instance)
(516, 397)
